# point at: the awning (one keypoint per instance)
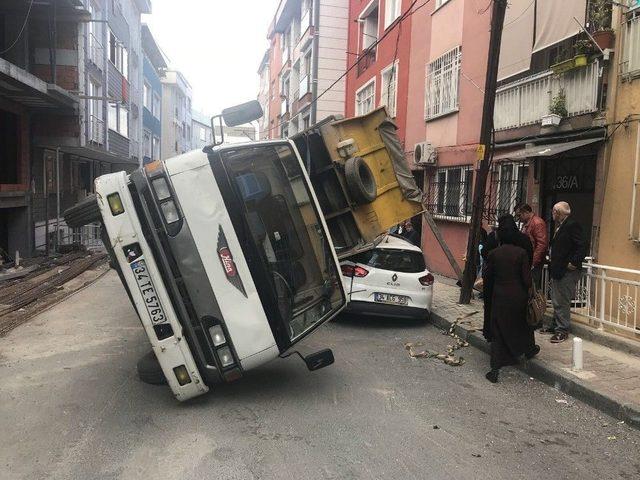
(546, 150)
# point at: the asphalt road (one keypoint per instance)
(71, 406)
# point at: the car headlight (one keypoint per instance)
(224, 354)
(161, 187)
(170, 212)
(217, 335)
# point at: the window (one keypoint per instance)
(630, 63)
(443, 78)
(305, 74)
(147, 143)
(365, 98)
(285, 84)
(403, 261)
(284, 130)
(509, 185)
(440, 3)
(389, 93)
(450, 193)
(118, 55)
(306, 121)
(146, 97)
(119, 119)
(203, 134)
(391, 11)
(305, 15)
(156, 105)
(369, 25)
(156, 148)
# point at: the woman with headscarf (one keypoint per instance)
(507, 280)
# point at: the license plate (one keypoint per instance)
(148, 291)
(390, 298)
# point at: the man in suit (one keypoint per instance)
(568, 249)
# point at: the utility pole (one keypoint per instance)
(486, 144)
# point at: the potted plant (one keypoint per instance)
(557, 110)
(600, 17)
(564, 62)
(582, 49)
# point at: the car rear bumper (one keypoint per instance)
(386, 310)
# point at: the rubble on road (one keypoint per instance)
(40, 282)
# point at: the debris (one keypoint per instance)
(611, 437)
(560, 400)
(621, 422)
(477, 455)
(436, 427)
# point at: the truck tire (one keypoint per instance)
(149, 370)
(83, 213)
(360, 181)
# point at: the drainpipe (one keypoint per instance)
(57, 199)
(636, 184)
(315, 54)
(46, 205)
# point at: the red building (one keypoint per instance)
(381, 76)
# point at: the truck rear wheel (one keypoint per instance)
(149, 370)
(360, 181)
(83, 213)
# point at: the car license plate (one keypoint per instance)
(390, 298)
(148, 291)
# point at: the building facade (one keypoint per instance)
(264, 96)
(201, 133)
(307, 55)
(154, 64)
(176, 114)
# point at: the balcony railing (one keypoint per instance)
(96, 51)
(96, 130)
(526, 101)
(365, 60)
(605, 295)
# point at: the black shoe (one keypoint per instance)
(533, 352)
(492, 376)
(548, 330)
(559, 337)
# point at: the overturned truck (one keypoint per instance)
(230, 254)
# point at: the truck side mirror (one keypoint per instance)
(243, 113)
(318, 360)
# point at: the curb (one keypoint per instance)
(553, 377)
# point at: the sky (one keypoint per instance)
(216, 44)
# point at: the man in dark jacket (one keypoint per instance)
(568, 249)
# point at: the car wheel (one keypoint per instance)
(149, 370)
(360, 181)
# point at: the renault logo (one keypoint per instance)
(395, 277)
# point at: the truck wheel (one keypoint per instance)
(360, 181)
(83, 213)
(149, 370)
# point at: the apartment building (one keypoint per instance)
(307, 55)
(202, 134)
(264, 74)
(154, 64)
(378, 58)
(176, 114)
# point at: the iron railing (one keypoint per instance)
(96, 130)
(605, 295)
(507, 189)
(443, 80)
(365, 60)
(449, 193)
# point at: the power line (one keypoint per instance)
(26, 19)
(404, 16)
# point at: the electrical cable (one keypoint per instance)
(26, 19)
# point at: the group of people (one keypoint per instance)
(512, 265)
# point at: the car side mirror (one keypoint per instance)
(318, 360)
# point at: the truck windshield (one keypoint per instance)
(287, 230)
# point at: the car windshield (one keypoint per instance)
(403, 261)
(288, 232)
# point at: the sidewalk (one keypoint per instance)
(609, 381)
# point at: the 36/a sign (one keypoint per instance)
(566, 182)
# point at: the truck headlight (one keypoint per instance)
(170, 212)
(115, 204)
(224, 354)
(182, 375)
(217, 335)
(161, 187)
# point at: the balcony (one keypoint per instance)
(96, 52)
(526, 101)
(96, 130)
(365, 60)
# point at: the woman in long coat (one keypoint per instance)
(507, 279)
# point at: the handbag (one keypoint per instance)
(536, 307)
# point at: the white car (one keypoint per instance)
(390, 280)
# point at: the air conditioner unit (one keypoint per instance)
(424, 153)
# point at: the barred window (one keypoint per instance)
(443, 78)
(450, 193)
(508, 189)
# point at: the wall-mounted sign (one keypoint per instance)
(566, 182)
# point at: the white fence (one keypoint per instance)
(526, 101)
(606, 295)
